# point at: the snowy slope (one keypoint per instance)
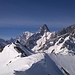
(63, 46)
(37, 64)
(40, 44)
(65, 62)
(57, 48)
(10, 52)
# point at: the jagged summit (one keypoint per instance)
(32, 41)
(43, 29)
(69, 30)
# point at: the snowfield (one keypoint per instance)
(37, 64)
(66, 62)
(11, 63)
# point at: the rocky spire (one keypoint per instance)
(43, 29)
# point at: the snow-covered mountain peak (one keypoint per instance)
(43, 29)
(9, 52)
(69, 30)
(32, 41)
(26, 34)
(24, 37)
(10, 48)
(42, 43)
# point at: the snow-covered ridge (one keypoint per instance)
(41, 43)
(61, 42)
(36, 64)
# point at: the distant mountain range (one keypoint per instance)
(40, 53)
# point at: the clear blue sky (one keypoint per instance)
(17, 16)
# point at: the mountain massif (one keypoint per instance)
(40, 53)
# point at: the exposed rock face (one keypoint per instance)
(43, 29)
